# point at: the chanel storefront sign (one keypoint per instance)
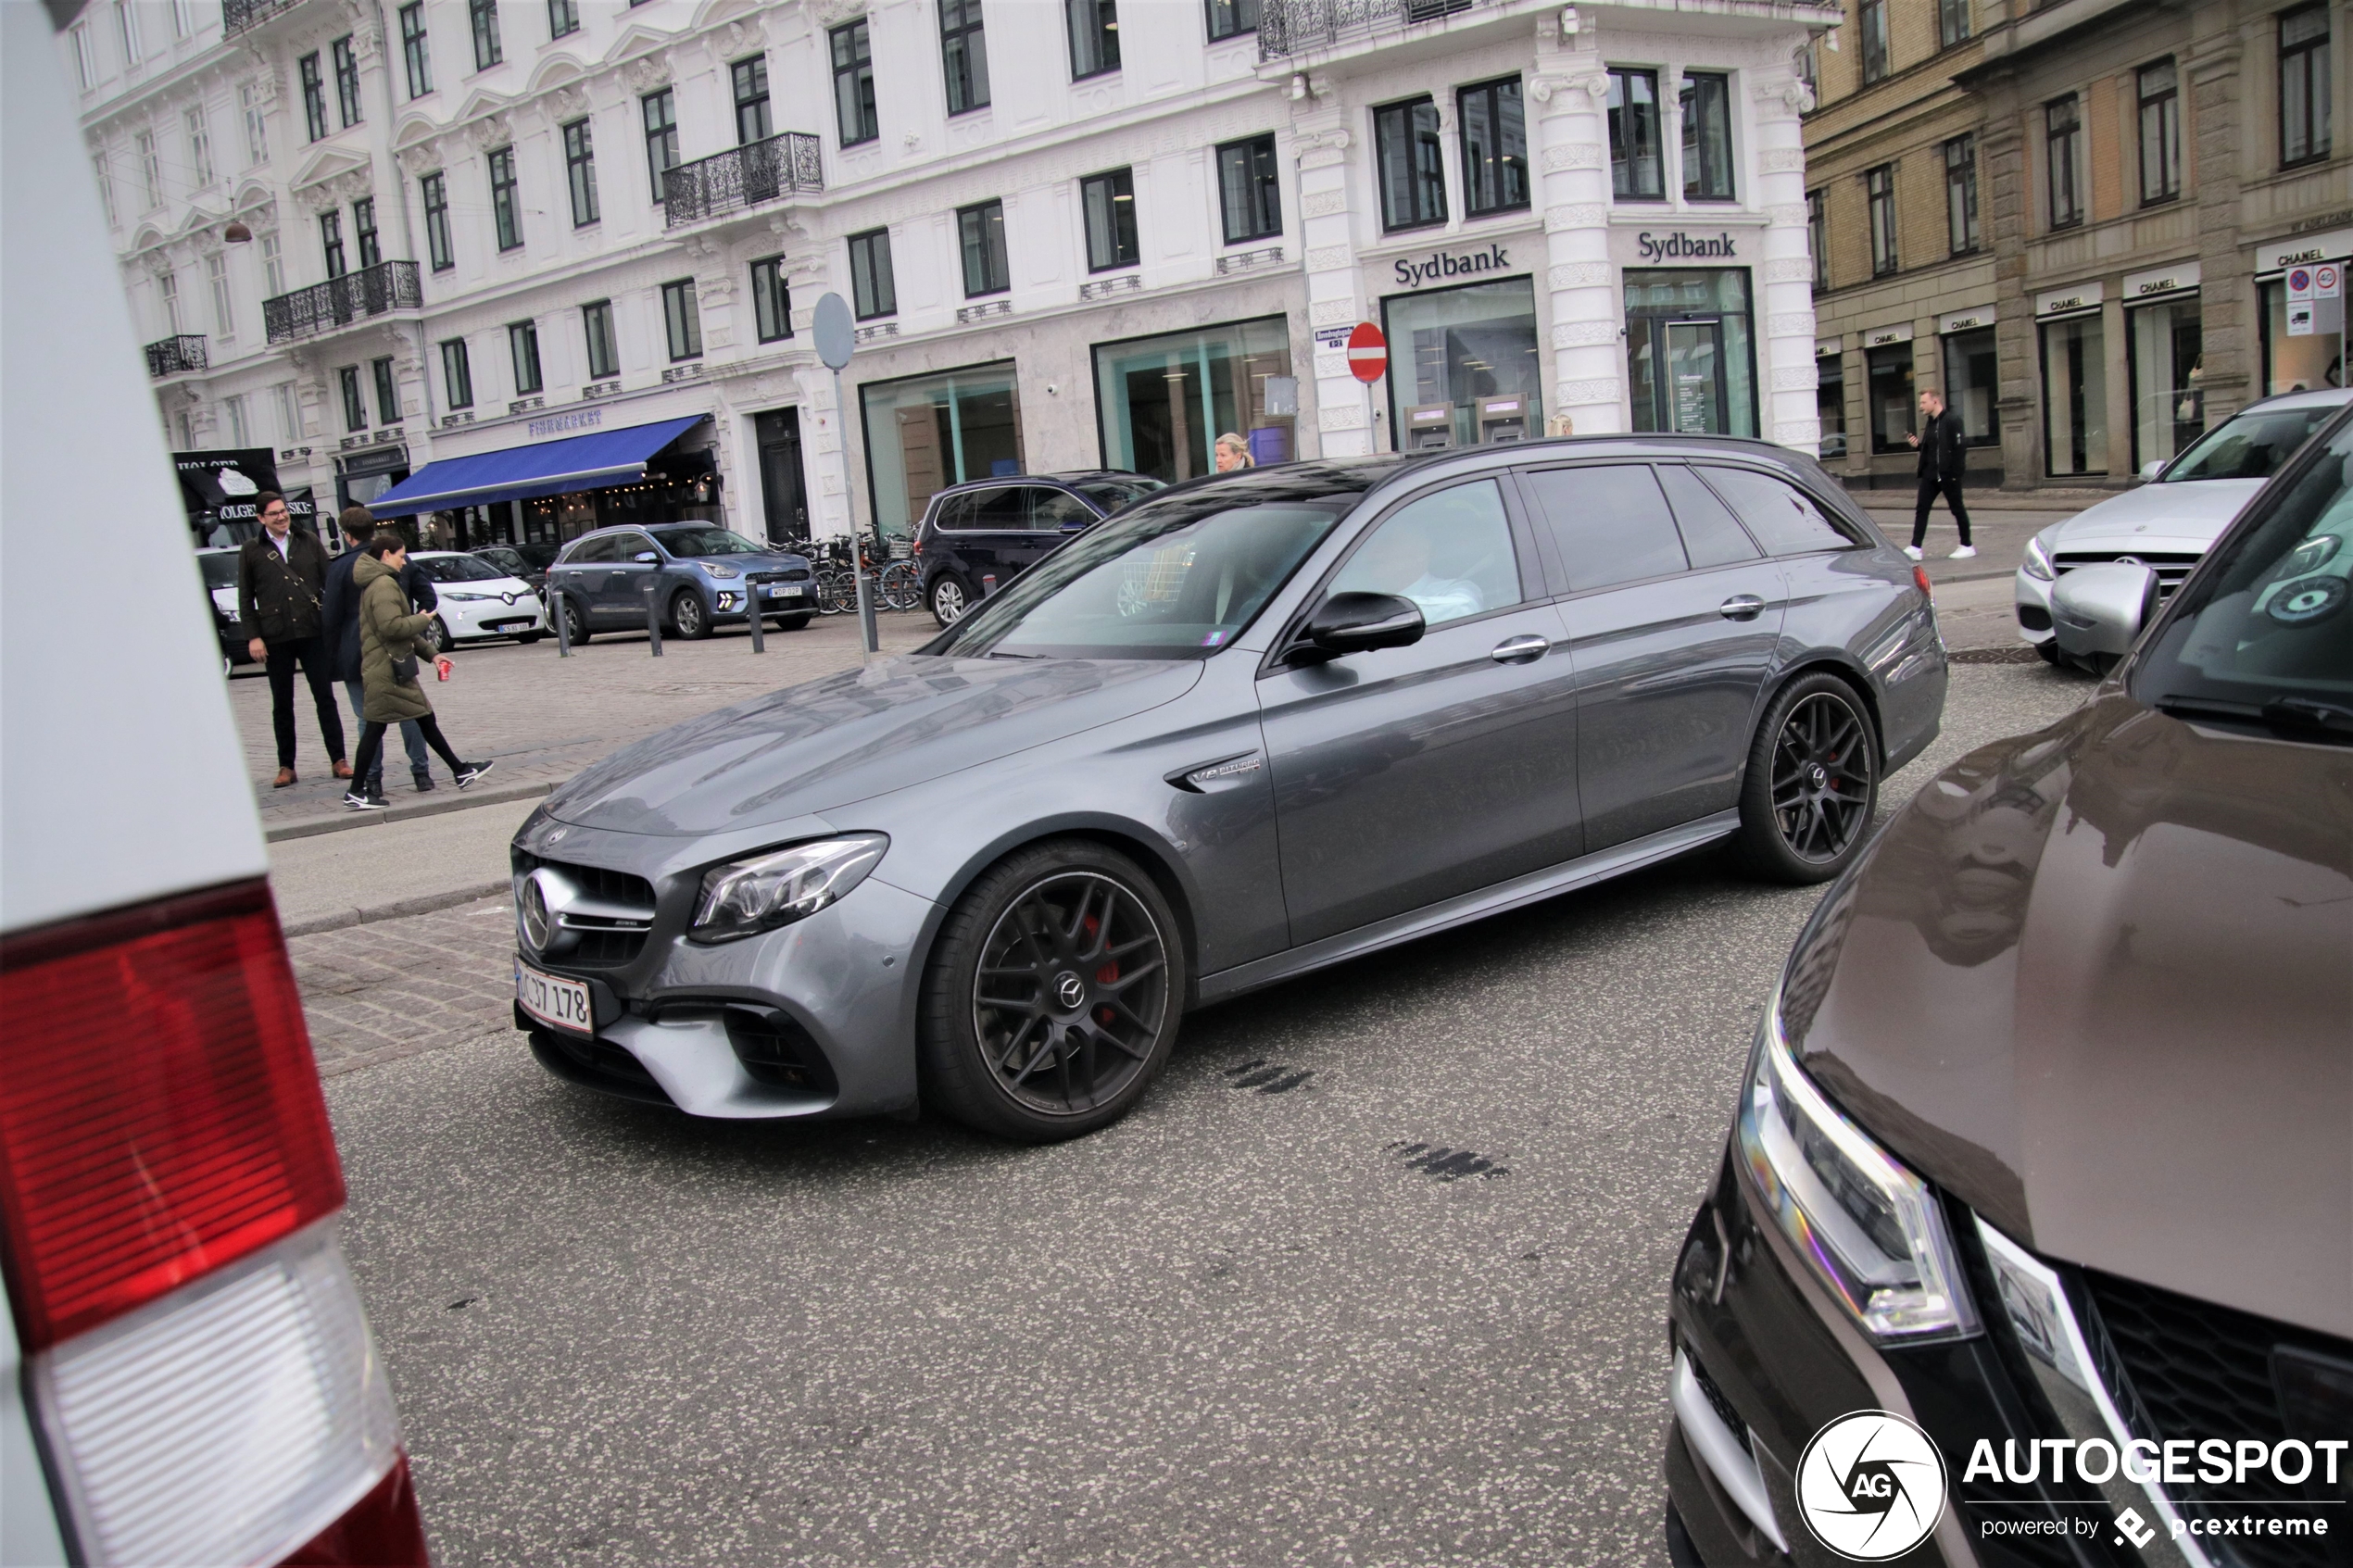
(1413, 274)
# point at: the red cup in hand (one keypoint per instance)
(441, 668)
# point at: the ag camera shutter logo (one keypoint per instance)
(1871, 1486)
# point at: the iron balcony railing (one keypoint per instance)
(743, 176)
(1291, 27)
(238, 14)
(173, 355)
(338, 302)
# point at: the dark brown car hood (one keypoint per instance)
(2098, 982)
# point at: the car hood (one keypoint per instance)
(856, 733)
(514, 585)
(2192, 514)
(766, 560)
(2094, 980)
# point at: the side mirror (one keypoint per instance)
(2097, 610)
(2151, 469)
(646, 558)
(1347, 624)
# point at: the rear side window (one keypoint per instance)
(1712, 536)
(997, 511)
(1784, 521)
(1056, 509)
(1610, 524)
(954, 511)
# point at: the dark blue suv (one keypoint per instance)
(995, 527)
(702, 574)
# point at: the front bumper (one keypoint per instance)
(493, 617)
(789, 599)
(2034, 597)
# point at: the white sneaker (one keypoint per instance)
(1914, 551)
(1964, 552)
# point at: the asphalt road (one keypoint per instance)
(1375, 1274)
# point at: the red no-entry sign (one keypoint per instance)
(1367, 353)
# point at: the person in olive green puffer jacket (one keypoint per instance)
(389, 628)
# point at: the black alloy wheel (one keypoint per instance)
(687, 617)
(1812, 782)
(947, 599)
(1052, 998)
(575, 623)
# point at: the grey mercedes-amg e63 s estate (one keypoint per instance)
(1249, 726)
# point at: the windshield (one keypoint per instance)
(219, 571)
(1113, 494)
(1176, 579)
(694, 542)
(2250, 447)
(2267, 621)
(458, 569)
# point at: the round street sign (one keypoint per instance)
(837, 336)
(1367, 353)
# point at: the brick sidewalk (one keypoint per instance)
(542, 719)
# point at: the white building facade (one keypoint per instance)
(1076, 234)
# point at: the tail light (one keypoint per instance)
(198, 1354)
(1919, 580)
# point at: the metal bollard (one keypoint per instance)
(653, 616)
(552, 600)
(752, 603)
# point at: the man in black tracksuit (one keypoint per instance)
(281, 574)
(1940, 444)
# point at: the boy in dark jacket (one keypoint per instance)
(281, 576)
(342, 616)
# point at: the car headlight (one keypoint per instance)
(748, 897)
(717, 571)
(1870, 1229)
(2038, 561)
(465, 599)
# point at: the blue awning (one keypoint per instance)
(520, 473)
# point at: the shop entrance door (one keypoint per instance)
(1694, 356)
(784, 494)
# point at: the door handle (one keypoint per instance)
(1741, 606)
(1524, 649)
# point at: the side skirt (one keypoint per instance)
(1568, 876)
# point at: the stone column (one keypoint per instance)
(1787, 371)
(1321, 140)
(1571, 152)
(2230, 343)
(2004, 195)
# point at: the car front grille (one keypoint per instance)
(2189, 1369)
(594, 948)
(2170, 565)
(789, 574)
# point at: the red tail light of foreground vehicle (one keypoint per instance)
(203, 1375)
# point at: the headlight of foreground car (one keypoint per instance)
(749, 896)
(465, 599)
(1870, 1229)
(2038, 561)
(717, 571)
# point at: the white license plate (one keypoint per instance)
(554, 1001)
(775, 592)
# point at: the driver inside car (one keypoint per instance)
(1417, 555)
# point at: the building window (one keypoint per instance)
(1871, 21)
(388, 390)
(1162, 402)
(2304, 84)
(2160, 133)
(2163, 351)
(580, 171)
(126, 22)
(522, 345)
(183, 18)
(484, 13)
(925, 433)
(1094, 37)
(457, 373)
(604, 355)
(281, 401)
(1952, 21)
(1888, 383)
(1707, 137)
(2062, 136)
(872, 291)
(771, 299)
(257, 118)
(438, 247)
(314, 96)
(963, 56)
(1960, 194)
(240, 428)
(563, 18)
(1691, 351)
(413, 53)
(1228, 18)
(85, 57)
(273, 266)
(1109, 201)
(1412, 165)
(750, 80)
(363, 229)
(1455, 347)
(980, 235)
(1250, 189)
(505, 210)
(167, 289)
(346, 81)
(2074, 398)
(1829, 404)
(1973, 382)
(1878, 192)
(106, 187)
(681, 318)
(150, 166)
(1817, 238)
(662, 137)
(854, 84)
(1494, 147)
(331, 243)
(199, 145)
(355, 407)
(1634, 173)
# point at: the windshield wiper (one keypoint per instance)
(2299, 713)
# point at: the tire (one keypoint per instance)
(687, 617)
(575, 624)
(792, 623)
(1053, 996)
(1811, 784)
(947, 599)
(527, 638)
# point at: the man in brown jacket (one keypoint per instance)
(281, 576)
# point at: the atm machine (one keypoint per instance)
(1502, 420)
(1429, 427)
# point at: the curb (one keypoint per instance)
(314, 826)
(423, 904)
